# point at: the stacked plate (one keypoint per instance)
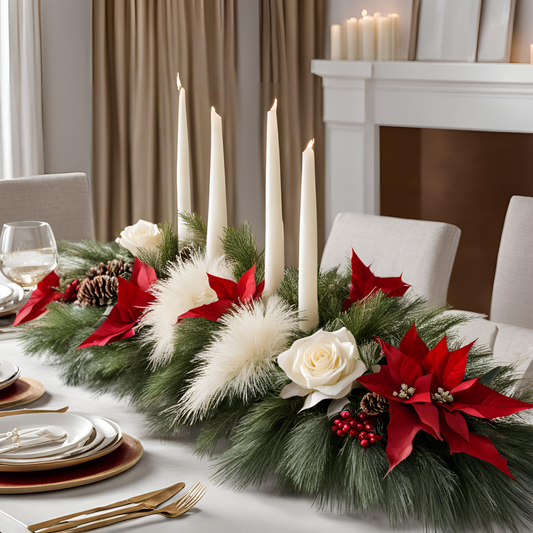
(11, 297)
(9, 373)
(86, 438)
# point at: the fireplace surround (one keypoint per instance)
(413, 97)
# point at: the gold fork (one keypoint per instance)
(175, 509)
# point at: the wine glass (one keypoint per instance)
(28, 252)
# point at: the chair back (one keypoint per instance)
(424, 252)
(512, 293)
(62, 200)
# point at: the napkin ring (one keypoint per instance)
(14, 435)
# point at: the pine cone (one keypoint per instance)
(113, 268)
(98, 291)
(373, 404)
(185, 254)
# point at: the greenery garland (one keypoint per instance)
(265, 434)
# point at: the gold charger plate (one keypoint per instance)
(23, 391)
(56, 465)
(123, 458)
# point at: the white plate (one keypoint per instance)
(14, 304)
(9, 373)
(6, 294)
(77, 427)
(107, 433)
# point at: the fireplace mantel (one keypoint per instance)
(360, 96)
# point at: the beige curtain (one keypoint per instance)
(138, 46)
(292, 34)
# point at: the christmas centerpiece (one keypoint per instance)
(342, 384)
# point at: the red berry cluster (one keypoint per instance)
(71, 291)
(359, 426)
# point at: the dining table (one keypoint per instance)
(165, 461)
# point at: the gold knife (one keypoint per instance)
(32, 411)
(147, 501)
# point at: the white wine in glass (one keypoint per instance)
(28, 252)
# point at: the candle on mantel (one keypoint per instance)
(395, 36)
(217, 218)
(308, 250)
(367, 37)
(274, 242)
(336, 42)
(183, 164)
(383, 38)
(352, 39)
(343, 41)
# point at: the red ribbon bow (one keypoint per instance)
(364, 283)
(46, 291)
(133, 299)
(426, 392)
(228, 292)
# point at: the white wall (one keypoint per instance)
(250, 197)
(340, 10)
(66, 29)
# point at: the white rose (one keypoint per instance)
(323, 366)
(141, 235)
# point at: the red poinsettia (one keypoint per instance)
(46, 291)
(228, 292)
(364, 283)
(426, 391)
(133, 299)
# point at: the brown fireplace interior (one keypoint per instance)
(465, 178)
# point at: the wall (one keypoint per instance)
(522, 36)
(66, 29)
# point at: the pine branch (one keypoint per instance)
(241, 249)
(167, 250)
(75, 258)
(196, 225)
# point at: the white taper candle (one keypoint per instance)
(308, 251)
(217, 218)
(183, 163)
(274, 245)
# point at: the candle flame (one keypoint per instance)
(178, 81)
(274, 105)
(364, 13)
(310, 144)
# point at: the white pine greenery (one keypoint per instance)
(238, 362)
(186, 287)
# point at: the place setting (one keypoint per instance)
(16, 390)
(43, 450)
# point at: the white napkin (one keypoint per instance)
(17, 439)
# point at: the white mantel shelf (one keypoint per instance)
(506, 73)
(360, 96)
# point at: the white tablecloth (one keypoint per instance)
(164, 462)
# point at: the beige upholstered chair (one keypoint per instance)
(62, 200)
(512, 294)
(424, 252)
